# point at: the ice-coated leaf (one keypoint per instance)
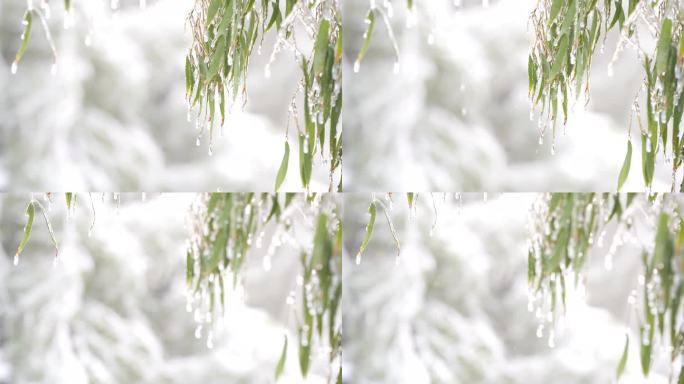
(321, 48)
(213, 8)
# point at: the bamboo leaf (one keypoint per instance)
(623, 360)
(281, 362)
(624, 172)
(282, 171)
(321, 48)
(372, 211)
(30, 212)
(370, 19)
(26, 34)
(213, 8)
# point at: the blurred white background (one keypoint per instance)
(457, 117)
(113, 309)
(113, 117)
(454, 309)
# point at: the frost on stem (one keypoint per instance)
(225, 34)
(564, 228)
(225, 228)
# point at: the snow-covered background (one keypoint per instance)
(457, 117)
(113, 309)
(113, 117)
(454, 309)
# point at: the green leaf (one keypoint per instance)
(555, 9)
(321, 48)
(281, 362)
(370, 19)
(217, 58)
(30, 212)
(372, 211)
(189, 77)
(68, 196)
(211, 11)
(624, 172)
(663, 47)
(28, 22)
(623, 360)
(282, 171)
(560, 58)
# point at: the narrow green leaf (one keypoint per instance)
(321, 48)
(30, 212)
(217, 59)
(623, 360)
(624, 172)
(213, 8)
(560, 58)
(555, 9)
(281, 362)
(26, 34)
(68, 196)
(282, 171)
(370, 20)
(372, 211)
(663, 47)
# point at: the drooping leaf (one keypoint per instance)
(624, 171)
(282, 171)
(281, 362)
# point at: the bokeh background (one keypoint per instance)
(114, 116)
(113, 309)
(456, 117)
(455, 307)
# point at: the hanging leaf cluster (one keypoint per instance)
(225, 34)
(566, 35)
(226, 227)
(566, 227)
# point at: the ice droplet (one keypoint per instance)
(14, 67)
(198, 332)
(53, 69)
(197, 142)
(540, 331)
(397, 67)
(210, 340)
(358, 258)
(16, 259)
(357, 66)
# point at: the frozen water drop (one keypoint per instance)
(197, 142)
(53, 69)
(16, 259)
(210, 340)
(198, 332)
(15, 65)
(358, 258)
(397, 68)
(357, 66)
